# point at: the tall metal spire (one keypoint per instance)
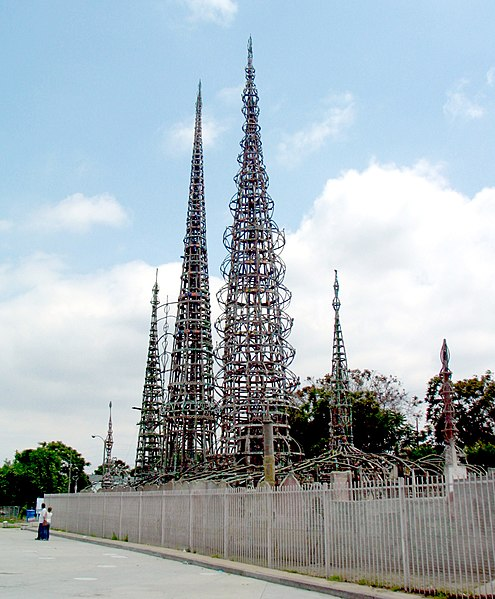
(149, 454)
(253, 353)
(447, 393)
(106, 480)
(190, 408)
(453, 468)
(340, 408)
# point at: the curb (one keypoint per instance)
(345, 590)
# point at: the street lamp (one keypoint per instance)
(103, 460)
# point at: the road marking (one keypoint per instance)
(46, 558)
(106, 566)
(115, 556)
(85, 578)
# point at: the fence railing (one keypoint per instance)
(420, 536)
(9, 511)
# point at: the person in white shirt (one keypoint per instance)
(46, 529)
(41, 522)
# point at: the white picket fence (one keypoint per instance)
(424, 537)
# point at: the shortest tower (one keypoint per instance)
(453, 468)
(340, 407)
(106, 480)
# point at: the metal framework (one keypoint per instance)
(446, 391)
(106, 480)
(340, 408)
(190, 414)
(254, 354)
(149, 454)
(451, 453)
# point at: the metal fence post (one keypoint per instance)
(120, 514)
(67, 513)
(225, 524)
(326, 530)
(140, 507)
(190, 519)
(269, 524)
(162, 538)
(103, 515)
(404, 534)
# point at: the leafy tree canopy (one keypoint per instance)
(474, 409)
(378, 423)
(118, 468)
(474, 415)
(50, 468)
(387, 390)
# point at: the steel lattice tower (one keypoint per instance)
(340, 407)
(190, 415)
(254, 354)
(149, 454)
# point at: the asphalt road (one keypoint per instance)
(64, 568)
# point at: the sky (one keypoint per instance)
(378, 131)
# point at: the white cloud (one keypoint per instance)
(79, 213)
(69, 345)
(231, 95)
(336, 118)
(490, 77)
(220, 12)
(5, 225)
(415, 262)
(181, 136)
(460, 105)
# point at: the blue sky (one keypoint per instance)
(378, 128)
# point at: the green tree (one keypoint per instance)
(72, 465)
(377, 427)
(474, 409)
(474, 413)
(118, 468)
(309, 420)
(387, 390)
(50, 468)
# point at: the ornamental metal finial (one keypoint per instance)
(447, 393)
(336, 301)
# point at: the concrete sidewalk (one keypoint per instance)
(292, 582)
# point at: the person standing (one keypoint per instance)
(41, 522)
(46, 529)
